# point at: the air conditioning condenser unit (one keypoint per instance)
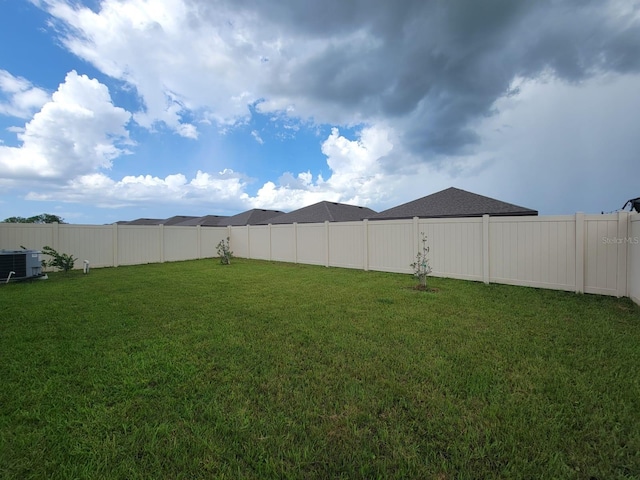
(20, 265)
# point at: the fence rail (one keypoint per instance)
(583, 253)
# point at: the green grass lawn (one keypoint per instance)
(274, 370)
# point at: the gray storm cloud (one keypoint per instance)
(434, 68)
(429, 69)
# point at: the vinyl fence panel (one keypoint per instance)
(283, 243)
(87, 242)
(311, 243)
(455, 247)
(346, 245)
(533, 251)
(392, 245)
(601, 255)
(180, 243)
(239, 241)
(260, 242)
(138, 244)
(14, 236)
(210, 237)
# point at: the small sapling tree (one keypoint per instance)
(421, 267)
(224, 252)
(61, 261)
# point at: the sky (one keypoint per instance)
(121, 109)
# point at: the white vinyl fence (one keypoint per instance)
(582, 253)
(114, 245)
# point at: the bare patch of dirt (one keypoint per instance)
(422, 288)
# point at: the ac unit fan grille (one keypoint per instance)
(23, 263)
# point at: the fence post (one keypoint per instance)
(270, 244)
(365, 244)
(116, 234)
(295, 242)
(161, 239)
(580, 225)
(416, 236)
(326, 242)
(623, 233)
(199, 241)
(486, 277)
(248, 240)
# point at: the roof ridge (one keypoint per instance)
(330, 213)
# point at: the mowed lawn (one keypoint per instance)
(272, 370)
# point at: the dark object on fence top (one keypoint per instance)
(635, 204)
(255, 216)
(321, 212)
(453, 202)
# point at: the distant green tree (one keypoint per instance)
(42, 218)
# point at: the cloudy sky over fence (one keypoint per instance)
(118, 109)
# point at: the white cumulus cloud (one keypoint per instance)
(78, 131)
(18, 97)
(178, 62)
(356, 177)
(357, 174)
(224, 189)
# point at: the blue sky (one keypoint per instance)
(119, 109)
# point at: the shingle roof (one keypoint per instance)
(205, 221)
(144, 221)
(453, 202)
(255, 216)
(323, 211)
(177, 219)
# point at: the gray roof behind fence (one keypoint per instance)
(453, 202)
(144, 221)
(205, 221)
(177, 219)
(250, 217)
(321, 212)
